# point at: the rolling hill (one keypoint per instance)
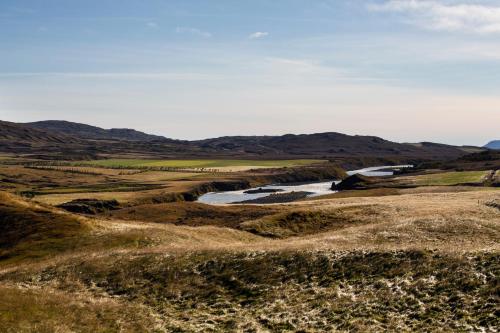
(21, 139)
(327, 145)
(60, 139)
(92, 132)
(29, 230)
(76, 141)
(18, 132)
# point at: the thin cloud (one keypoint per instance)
(193, 31)
(112, 75)
(258, 35)
(152, 25)
(435, 15)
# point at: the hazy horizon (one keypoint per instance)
(403, 70)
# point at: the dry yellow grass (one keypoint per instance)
(50, 310)
(419, 252)
(448, 221)
(156, 176)
(168, 187)
(415, 219)
(122, 197)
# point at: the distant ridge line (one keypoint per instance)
(61, 139)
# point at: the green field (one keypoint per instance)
(196, 164)
(114, 187)
(451, 178)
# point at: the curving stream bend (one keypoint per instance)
(315, 189)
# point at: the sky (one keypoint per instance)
(404, 70)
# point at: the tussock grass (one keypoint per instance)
(288, 291)
(46, 310)
(412, 262)
(447, 221)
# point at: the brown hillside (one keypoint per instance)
(31, 231)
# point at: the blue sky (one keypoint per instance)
(405, 70)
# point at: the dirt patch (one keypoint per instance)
(494, 204)
(89, 206)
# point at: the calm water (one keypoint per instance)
(378, 171)
(316, 189)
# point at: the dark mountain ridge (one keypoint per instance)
(20, 132)
(60, 139)
(93, 132)
(327, 144)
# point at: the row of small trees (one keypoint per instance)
(79, 168)
(64, 169)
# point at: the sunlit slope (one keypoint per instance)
(29, 230)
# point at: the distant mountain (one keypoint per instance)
(15, 132)
(92, 132)
(37, 140)
(329, 144)
(21, 139)
(62, 140)
(493, 144)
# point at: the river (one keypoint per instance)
(315, 189)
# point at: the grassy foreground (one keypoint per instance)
(260, 292)
(413, 262)
(402, 259)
